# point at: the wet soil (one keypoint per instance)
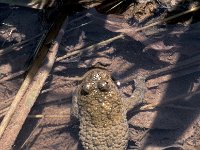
(137, 54)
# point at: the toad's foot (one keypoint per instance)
(138, 94)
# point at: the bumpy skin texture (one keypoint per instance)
(101, 112)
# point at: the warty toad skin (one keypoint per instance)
(102, 112)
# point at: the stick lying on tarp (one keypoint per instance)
(33, 83)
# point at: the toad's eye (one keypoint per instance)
(86, 89)
(103, 86)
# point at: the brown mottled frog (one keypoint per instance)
(101, 111)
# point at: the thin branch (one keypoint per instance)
(11, 48)
(167, 102)
(90, 47)
(169, 18)
(48, 116)
(154, 82)
(12, 76)
(32, 85)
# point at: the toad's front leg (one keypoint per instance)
(138, 95)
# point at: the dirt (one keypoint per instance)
(141, 11)
(136, 54)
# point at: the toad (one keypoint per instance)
(101, 110)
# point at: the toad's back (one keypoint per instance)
(99, 107)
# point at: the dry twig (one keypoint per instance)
(169, 18)
(90, 47)
(32, 132)
(167, 103)
(31, 87)
(11, 48)
(12, 76)
(156, 81)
